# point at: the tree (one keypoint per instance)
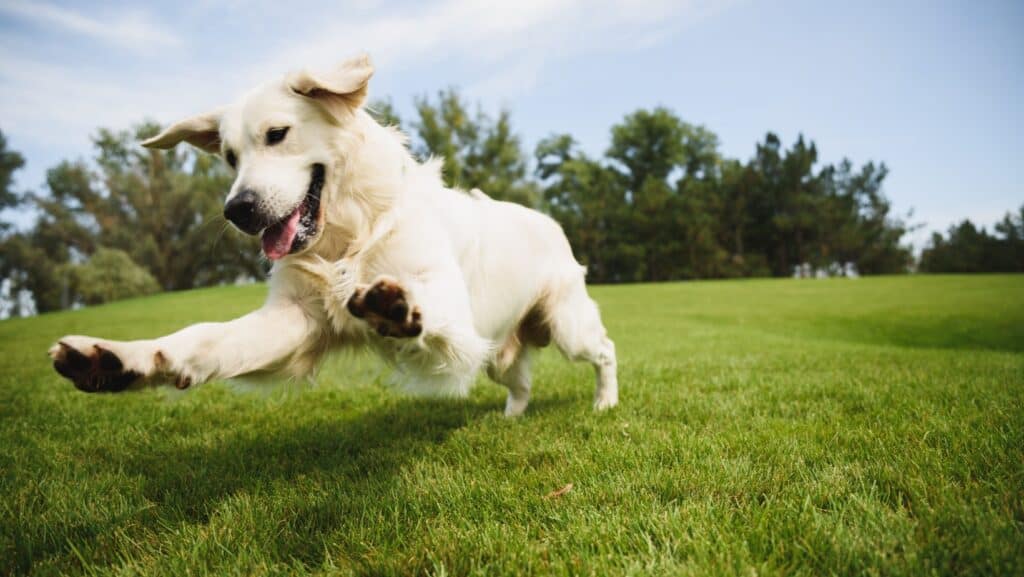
(10, 162)
(28, 269)
(588, 199)
(476, 150)
(648, 145)
(668, 206)
(110, 275)
(831, 215)
(667, 167)
(967, 248)
(875, 246)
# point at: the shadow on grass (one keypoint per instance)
(351, 461)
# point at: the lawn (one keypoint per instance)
(769, 427)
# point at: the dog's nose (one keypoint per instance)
(241, 211)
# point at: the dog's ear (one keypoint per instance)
(341, 89)
(201, 131)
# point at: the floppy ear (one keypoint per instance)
(341, 89)
(201, 131)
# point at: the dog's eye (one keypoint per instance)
(275, 135)
(231, 158)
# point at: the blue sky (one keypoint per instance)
(933, 89)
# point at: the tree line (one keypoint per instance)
(662, 203)
(967, 248)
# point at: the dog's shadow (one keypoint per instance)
(355, 460)
(349, 461)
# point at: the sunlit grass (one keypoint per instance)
(767, 427)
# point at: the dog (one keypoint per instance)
(369, 249)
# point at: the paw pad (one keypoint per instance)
(384, 307)
(92, 371)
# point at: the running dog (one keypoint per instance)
(369, 249)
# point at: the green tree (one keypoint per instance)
(798, 214)
(10, 162)
(737, 186)
(110, 275)
(648, 145)
(476, 150)
(968, 249)
(668, 168)
(588, 199)
(28, 268)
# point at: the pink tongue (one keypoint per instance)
(277, 240)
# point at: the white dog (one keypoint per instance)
(369, 249)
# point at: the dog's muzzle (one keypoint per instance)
(242, 211)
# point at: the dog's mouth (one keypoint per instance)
(294, 232)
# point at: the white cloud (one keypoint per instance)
(494, 32)
(127, 28)
(506, 47)
(507, 82)
(50, 104)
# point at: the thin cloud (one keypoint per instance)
(34, 97)
(507, 47)
(133, 29)
(495, 32)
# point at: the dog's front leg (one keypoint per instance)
(264, 340)
(428, 328)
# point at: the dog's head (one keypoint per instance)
(281, 142)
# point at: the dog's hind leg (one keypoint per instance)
(516, 377)
(578, 332)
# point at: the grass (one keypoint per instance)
(767, 427)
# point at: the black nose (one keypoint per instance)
(241, 210)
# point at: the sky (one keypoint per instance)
(933, 89)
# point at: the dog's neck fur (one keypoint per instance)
(366, 184)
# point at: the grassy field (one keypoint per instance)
(766, 427)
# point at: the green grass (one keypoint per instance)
(766, 427)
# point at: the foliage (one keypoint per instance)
(10, 162)
(969, 249)
(771, 427)
(110, 275)
(664, 204)
(29, 268)
(476, 151)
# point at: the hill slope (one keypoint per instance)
(773, 426)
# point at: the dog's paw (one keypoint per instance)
(605, 402)
(385, 306)
(91, 366)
